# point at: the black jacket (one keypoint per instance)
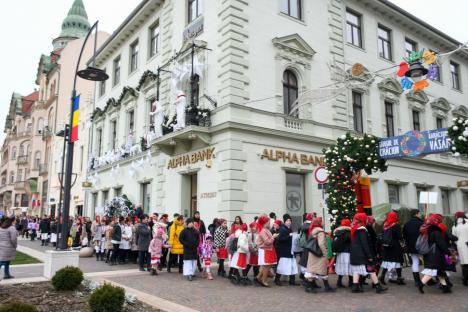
(372, 240)
(189, 237)
(305, 255)
(344, 235)
(117, 232)
(284, 240)
(411, 233)
(44, 226)
(143, 236)
(202, 228)
(361, 250)
(435, 259)
(394, 253)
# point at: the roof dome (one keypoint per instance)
(76, 24)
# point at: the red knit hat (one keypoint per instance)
(253, 225)
(360, 217)
(261, 221)
(460, 214)
(278, 222)
(345, 222)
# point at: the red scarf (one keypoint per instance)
(392, 219)
(358, 221)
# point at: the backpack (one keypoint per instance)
(385, 239)
(232, 247)
(422, 245)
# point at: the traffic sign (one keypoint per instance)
(321, 175)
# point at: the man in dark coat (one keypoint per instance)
(44, 227)
(411, 234)
(190, 238)
(116, 240)
(143, 239)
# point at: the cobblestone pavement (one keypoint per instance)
(221, 295)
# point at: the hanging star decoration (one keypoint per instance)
(414, 75)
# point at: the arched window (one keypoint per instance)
(290, 93)
(196, 89)
(40, 125)
(13, 153)
(37, 160)
(21, 150)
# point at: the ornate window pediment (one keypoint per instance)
(460, 112)
(128, 93)
(441, 104)
(390, 85)
(294, 45)
(418, 97)
(359, 73)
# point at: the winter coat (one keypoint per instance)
(44, 226)
(394, 253)
(265, 240)
(109, 230)
(155, 247)
(199, 225)
(143, 236)
(361, 250)
(190, 238)
(304, 255)
(220, 235)
(411, 233)
(253, 248)
(134, 244)
(318, 265)
(435, 259)
(117, 234)
(372, 240)
(284, 248)
(343, 233)
(99, 233)
(8, 243)
(461, 231)
(127, 233)
(174, 238)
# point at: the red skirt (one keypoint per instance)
(242, 261)
(222, 253)
(253, 259)
(267, 257)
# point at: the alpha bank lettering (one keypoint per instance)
(415, 144)
(190, 159)
(291, 157)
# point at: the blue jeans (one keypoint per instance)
(7, 267)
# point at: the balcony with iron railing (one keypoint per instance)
(46, 133)
(22, 160)
(43, 169)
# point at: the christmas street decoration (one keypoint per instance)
(119, 206)
(458, 134)
(345, 161)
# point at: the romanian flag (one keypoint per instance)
(76, 118)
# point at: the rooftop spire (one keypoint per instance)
(75, 25)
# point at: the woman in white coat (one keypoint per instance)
(126, 242)
(460, 230)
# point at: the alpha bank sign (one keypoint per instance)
(415, 144)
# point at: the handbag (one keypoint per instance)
(312, 246)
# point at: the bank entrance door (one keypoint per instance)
(189, 194)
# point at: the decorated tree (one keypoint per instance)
(345, 161)
(458, 134)
(119, 206)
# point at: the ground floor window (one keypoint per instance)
(465, 201)
(146, 196)
(94, 199)
(79, 210)
(393, 194)
(117, 191)
(295, 198)
(445, 201)
(105, 197)
(419, 190)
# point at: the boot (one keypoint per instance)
(379, 288)
(446, 289)
(97, 256)
(292, 281)
(153, 272)
(277, 280)
(209, 276)
(102, 256)
(417, 279)
(355, 288)
(400, 281)
(309, 287)
(314, 284)
(350, 281)
(327, 287)
(382, 279)
(42, 244)
(339, 282)
(262, 277)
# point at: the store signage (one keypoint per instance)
(194, 29)
(414, 144)
(208, 195)
(291, 157)
(321, 175)
(190, 159)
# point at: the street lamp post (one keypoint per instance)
(93, 74)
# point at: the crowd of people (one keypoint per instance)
(268, 247)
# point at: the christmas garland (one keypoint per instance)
(148, 74)
(458, 134)
(344, 161)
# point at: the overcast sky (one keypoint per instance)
(28, 27)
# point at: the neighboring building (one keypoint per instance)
(34, 122)
(259, 152)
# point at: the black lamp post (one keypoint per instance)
(93, 74)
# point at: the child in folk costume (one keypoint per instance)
(206, 252)
(342, 245)
(100, 239)
(220, 235)
(392, 251)
(108, 234)
(287, 262)
(253, 254)
(155, 249)
(231, 243)
(266, 251)
(240, 257)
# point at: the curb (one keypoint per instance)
(155, 302)
(23, 280)
(32, 252)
